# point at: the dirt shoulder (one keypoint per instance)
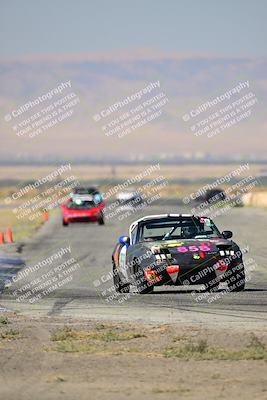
(53, 358)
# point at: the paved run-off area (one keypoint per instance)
(85, 291)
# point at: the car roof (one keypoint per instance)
(82, 197)
(84, 190)
(157, 216)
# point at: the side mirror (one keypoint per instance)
(124, 240)
(227, 234)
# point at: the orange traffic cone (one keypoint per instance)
(45, 215)
(2, 238)
(9, 235)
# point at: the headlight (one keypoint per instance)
(155, 249)
(227, 252)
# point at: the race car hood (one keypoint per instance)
(72, 212)
(191, 248)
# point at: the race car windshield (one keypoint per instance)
(180, 228)
(80, 205)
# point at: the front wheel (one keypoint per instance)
(213, 284)
(65, 223)
(142, 285)
(145, 288)
(119, 286)
(101, 220)
(237, 280)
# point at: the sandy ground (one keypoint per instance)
(54, 358)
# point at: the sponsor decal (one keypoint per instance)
(152, 275)
(173, 271)
(184, 249)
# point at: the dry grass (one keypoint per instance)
(4, 320)
(121, 340)
(21, 229)
(95, 172)
(10, 334)
(69, 340)
(200, 350)
(105, 335)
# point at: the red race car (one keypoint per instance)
(84, 209)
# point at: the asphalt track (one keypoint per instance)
(88, 293)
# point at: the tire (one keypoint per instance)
(101, 220)
(142, 285)
(119, 286)
(64, 223)
(212, 285)
(145, 288)
(238, 282)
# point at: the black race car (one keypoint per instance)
(176, 249)
(212, 196)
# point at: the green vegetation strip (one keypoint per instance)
(69, 340)
(105, 339)
(201, 351)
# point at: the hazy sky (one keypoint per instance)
(228, 27)
(197, 49)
